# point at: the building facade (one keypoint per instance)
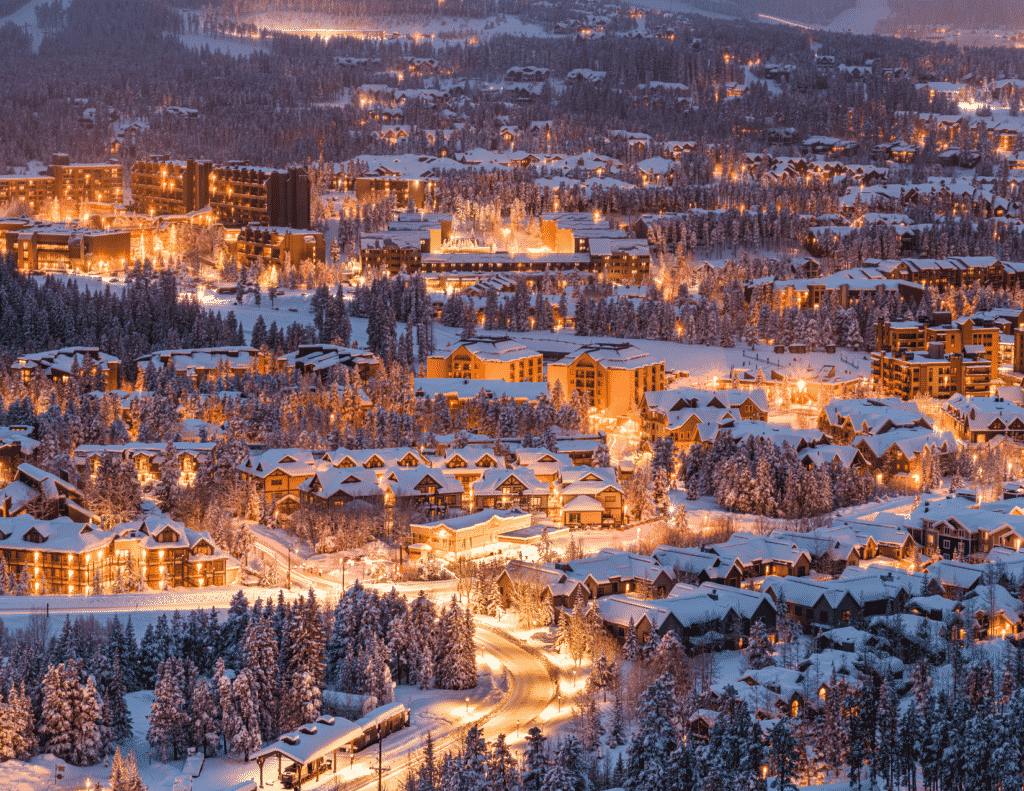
(268, 246)
(612, 376)
(489, 358)
(67, 247)
(239, 193)
(909, 374)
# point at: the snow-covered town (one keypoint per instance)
(499, 395)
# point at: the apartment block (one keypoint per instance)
(933, 373)
(239, 193)
(612, 376)
(267, 246)
(489, 358)
(63, 247)
(80, 182)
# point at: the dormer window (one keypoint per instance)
(167, 536)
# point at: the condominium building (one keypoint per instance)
(199, 363)
(488, 358)
(613, 376)
(80, 182)
(976, 337)
(65, 247)
(86, 182)
(908, 374)
(238, 193)
(33, 191)
(268, 246)
(420, 243)
(60, 556)
(60, 364)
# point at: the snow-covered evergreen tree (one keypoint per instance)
(568, 772)
(124, 773)
(204, 718)
(535, 760)
(647, 765)
(246, 738)
(167, 717)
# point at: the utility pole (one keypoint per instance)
(381, 769)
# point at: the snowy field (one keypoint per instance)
(235, 46)
(329, 25)
(25, 18)
(862, 18)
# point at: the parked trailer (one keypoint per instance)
(379, 723)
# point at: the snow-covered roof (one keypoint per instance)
(619, 356)
(504, 520)
(750, 549)
(314, 740)
(195, 360)
(910, 442)
(494, 479)
(952, 573)
(403, 482)
(614, 563)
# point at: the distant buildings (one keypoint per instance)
(238, 193)
(419, 243)
(60, 364)
(944, 357)
(270, 246)
(197, 364)
(57, 246)
(99, 182)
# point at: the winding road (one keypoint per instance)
(531, 687)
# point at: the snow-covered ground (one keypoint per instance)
(432, 711)
(862, 18)
(678, 7)
(236, 46)
(25, 18)
(328, 25)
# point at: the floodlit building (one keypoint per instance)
(66, 557)
(238, 193)
(613, 376)
(908, 374)
(199, 363)
(64, 247)
(80, 182)
(498, 357)
(269, 246)
(472, 535)
(60, 364)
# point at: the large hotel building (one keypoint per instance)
(239, 193)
